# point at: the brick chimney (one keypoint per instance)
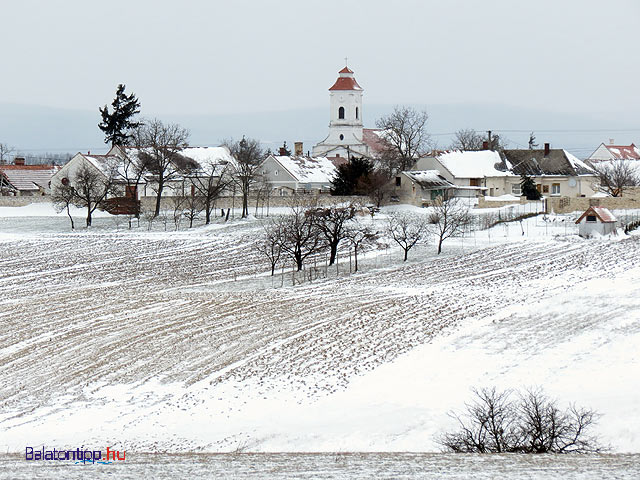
(485, 145)
(283, 152)
(547, 149)
(297, 148)
(19, 161)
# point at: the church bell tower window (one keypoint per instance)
(356, 113)
(341, 113)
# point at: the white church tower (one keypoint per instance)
(345, 120)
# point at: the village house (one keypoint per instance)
(614, 152)
(297, 174)
(419, 187)
(555, 172)
(26, 180)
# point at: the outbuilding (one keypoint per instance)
(596, 220)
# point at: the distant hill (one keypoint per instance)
(35, 128)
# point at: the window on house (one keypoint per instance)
(555, 189)
(275, 173)
(474, 182)
(341, 113)
(545, 189)
(341, 137)
(591, 218)
(398, 181)
(515, 189)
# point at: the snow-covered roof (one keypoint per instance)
(198, 158)
(29, 177)
(465, 164)
(624, 152)
(308, 169)
(602, 213)
(428, 178)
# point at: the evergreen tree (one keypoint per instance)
(346, 180)
(528, 188)
(117, 125)
(532, 141)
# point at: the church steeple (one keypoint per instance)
(345, 118)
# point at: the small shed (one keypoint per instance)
(596, 220)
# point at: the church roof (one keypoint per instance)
(346, 81)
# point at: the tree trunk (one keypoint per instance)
(273, 269)
(207, 212)
(298, 258)
(70, 218)
(334, 251)
(355, 257)
(159, 198)
(88, 214)
(406, 252)
(440, 245)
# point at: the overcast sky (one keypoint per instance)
(205, 56)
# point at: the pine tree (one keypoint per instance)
(118, 124)
(528, 188)
(532, 141)
(346, 180)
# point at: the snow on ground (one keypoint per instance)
(177, 341)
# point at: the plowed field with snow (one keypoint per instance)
(179, 342)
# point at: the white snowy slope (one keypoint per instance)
(145, 341)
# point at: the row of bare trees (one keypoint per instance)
(309, 230)
(495, 422)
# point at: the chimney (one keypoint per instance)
(297, 148)
(19, 161)
(283, 152)
(547, 149)
(611, 141)
(485, 145)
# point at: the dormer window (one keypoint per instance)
(341, 113)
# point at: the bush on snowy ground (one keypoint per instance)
(533, 423)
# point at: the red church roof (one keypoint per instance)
(346, 81)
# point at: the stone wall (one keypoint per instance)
(630, 199)
(482, 203)
(149, 203)
(21, 201)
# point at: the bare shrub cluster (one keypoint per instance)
(532, 422)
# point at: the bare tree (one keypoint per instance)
(360, 236)
(210, 181)
(488, 426)
(5, 151)
(248, 157)
(407, 230)
(301, 236)
(192, 207)
(404, 136)
(375, 185)
(271, 245)
(450, 218)
(616, 176)
(91, 188)
(178, 204)
(467, 139)
(63, 197)
(160, 146)
(495, 423)
(332, 222)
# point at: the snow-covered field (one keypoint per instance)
(177, 341)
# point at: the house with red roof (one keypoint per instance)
(26, 180)
(614, 152)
